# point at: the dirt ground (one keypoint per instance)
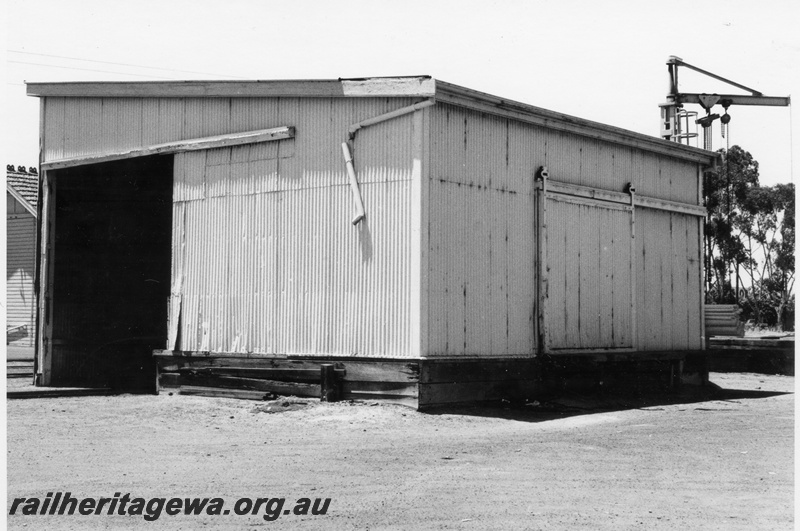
(690, 462)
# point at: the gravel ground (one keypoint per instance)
(720, 461)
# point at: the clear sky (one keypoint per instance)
(604, 61)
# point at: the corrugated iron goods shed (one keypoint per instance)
(434, 243)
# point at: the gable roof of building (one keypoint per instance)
(23, 184)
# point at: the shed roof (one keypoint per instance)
(23, 185)
(386, 87)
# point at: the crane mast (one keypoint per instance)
(676, 122)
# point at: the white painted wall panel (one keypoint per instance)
(668, 271)
(475, 157)
(589, 277)
(271, 263)
(481, 263)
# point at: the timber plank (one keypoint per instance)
(477, 370)
(223, 393)
(369, 371)
(449, 393)
(410, 401)
(734, 348)
(250, 384)
(19, 373)
(180, 146)
(752, 343)
(389, 388)
(51, 392)
(282, 374)
(174, 364)
(168, 381)
(641, 355)
(406, 87)
(205, 354)
(366, 370)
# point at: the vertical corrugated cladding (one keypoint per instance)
(664, 177)
(668, 290)
(269, 259)
(481, 276)
(53, 129)
(77, 127)
(585, 161)
(589, 276)
(666, 262)
(482, 263)
(604, 165)
(668, 286)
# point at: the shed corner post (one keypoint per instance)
(702, 255)
(420, 188)
(45, 250)
(542, 175)
(633, 269)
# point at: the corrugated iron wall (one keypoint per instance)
(589, 162)
(668, 290)
(262, 234)
(588, 275)
(482, 262)
(481, 266)
(263, 241)
(75, 127)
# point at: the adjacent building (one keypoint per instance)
(22, 187)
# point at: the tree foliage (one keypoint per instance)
(749, 240)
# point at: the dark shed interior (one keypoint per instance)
(111, 272)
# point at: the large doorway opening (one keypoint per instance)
(111, 272)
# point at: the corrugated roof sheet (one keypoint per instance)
(25, 183)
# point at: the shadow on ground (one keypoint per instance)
(574, 404)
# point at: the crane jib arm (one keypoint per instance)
(672, 117)
(736, 99)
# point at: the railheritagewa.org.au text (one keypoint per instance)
(64, 504)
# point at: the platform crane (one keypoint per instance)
(676, 123)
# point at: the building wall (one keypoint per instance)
(268, 259)
(265, 251)
(668, 289)
(482, 263)
(20, 267)
(589, 268)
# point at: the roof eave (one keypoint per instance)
(487, 103)
(390, 87)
